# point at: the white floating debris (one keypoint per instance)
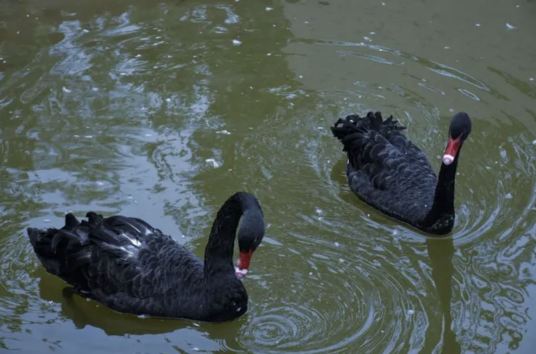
(531, 79)
(168, 100)
(88, 136)
(319, 211)
(508, 196)
(477, 24)
(213, 162)
(94, 89)
(534, 142)
(411, 312)
(311, 273)
(268, 54)
(236, 42)
(268, 8)
(337, 244)
(446, 47)
(65, 89)
(224, 132)
(510, 26)
(300, 76)
(99, 183)
(46, 220)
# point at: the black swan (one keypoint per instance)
(132, 267)
(390, 173)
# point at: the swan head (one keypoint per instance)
(250, 233)
(459, 130)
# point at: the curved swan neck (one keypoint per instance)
(440, 218)
(220, 246)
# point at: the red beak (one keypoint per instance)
(245, 258)
(453, 146)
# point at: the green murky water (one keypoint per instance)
(163, 109)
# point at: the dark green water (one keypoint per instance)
(161, 110)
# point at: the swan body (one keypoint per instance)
(130, 266)
(387, 171)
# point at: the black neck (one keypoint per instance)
(220, 246)
(441, 215)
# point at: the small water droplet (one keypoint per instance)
(213, 162)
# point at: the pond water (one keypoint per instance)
(162, 110)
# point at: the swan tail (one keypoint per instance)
(361, 134)
(61, 251)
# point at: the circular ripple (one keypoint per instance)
(349, 300)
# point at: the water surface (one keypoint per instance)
(161, 110)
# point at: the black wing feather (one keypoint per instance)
(124, 263)
(386, 169)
